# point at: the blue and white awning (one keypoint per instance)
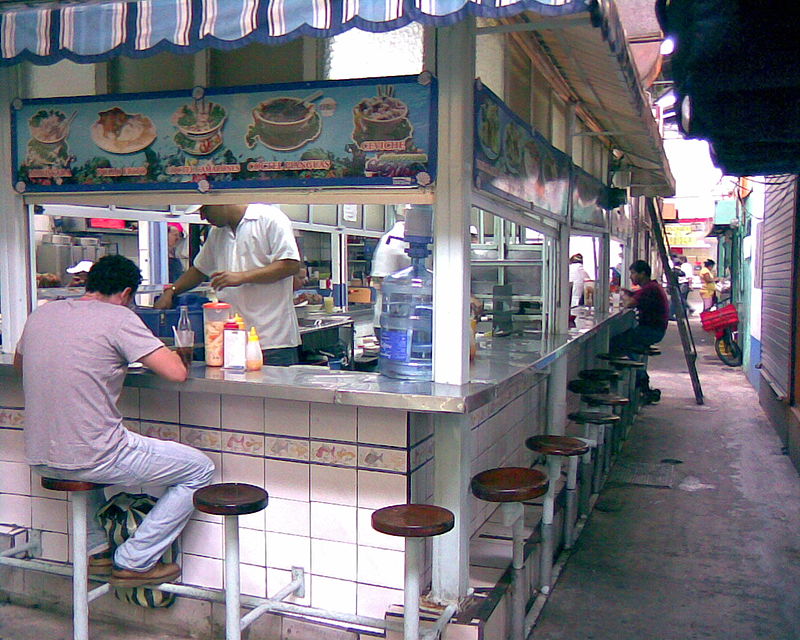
(87, 32)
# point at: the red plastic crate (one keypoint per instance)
(722, 318)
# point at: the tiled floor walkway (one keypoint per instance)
(715, 556)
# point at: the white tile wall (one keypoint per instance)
(333, 422)
(286, 417)
(246, 469)
(376, 489)
(157, 404)
(242, 413)
(15, 477)
(333, 522)
(201, 409)
(333, 484)
(203, 539)
(253, 547)
(253, 580)
(382, 426)
(339, 595)
(285, 551)
(49, 515)
(55, 546)
(201, 571)
(287, 479)
(334, 559)
(12, 445)
(288, 516)
(375, 601)
(381, 567)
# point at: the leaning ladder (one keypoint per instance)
(689, 349)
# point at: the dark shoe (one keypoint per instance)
(158, 574)
(100, 564)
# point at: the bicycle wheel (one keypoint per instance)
(728, 350)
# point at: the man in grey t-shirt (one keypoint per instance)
(79, 351)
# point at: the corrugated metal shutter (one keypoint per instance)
(777, 259)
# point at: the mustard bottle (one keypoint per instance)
(254, 357)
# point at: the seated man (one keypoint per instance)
(652, 307)
(81, 348)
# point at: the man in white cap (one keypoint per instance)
(79, 273)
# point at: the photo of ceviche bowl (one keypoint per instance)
(379, 116)
(285, 123)
(199, 120)
(50, 126)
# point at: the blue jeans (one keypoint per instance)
(143, 460)
(631, 340)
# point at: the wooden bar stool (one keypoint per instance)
(628, 368)
(511, 486)
(593, 432)
(81, 596)
(603, 423)
(414, 522)
(554, 448)
(231, 500)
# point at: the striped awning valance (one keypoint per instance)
(45, 33)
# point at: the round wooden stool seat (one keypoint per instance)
(593, 417)
(413, 520)
(587, 386)
(55, 484)
(601, 375)
(509, 484)
(605, 400)
(624, 363)
(230, 499)
(557, 445)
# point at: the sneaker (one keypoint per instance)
(100, 564)
(157, 574)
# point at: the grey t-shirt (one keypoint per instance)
(75, 357)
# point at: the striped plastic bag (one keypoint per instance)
(120, 517)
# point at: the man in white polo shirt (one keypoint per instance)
(250, 257)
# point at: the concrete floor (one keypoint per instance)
(718, 555)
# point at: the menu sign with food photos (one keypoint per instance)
(341, 133)
(588, 196)
(515, 162)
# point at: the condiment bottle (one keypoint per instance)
(240, 322)
(255, 359)
(234, 342)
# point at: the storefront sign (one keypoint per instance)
(687, 236)
(348, 133)
(588, 195)
(515, 162)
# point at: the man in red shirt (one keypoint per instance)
(652, 306)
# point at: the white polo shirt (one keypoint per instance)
(263, 236)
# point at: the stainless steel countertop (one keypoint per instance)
(499, 363)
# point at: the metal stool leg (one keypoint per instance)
(80, 568)
(411, 589)
(514, 512)
(570, 508)
(587, 472)
(233, 623)
(546, 558)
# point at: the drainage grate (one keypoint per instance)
(647, 474)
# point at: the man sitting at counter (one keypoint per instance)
(250, 257)
(652, 306)
(79, 351)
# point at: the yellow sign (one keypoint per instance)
(685, 236)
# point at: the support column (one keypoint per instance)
(451, 473)
(455, 68)
(16, 248)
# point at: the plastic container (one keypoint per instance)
(253, 355)
(215, 314)
(234, 348)
(407, 323)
